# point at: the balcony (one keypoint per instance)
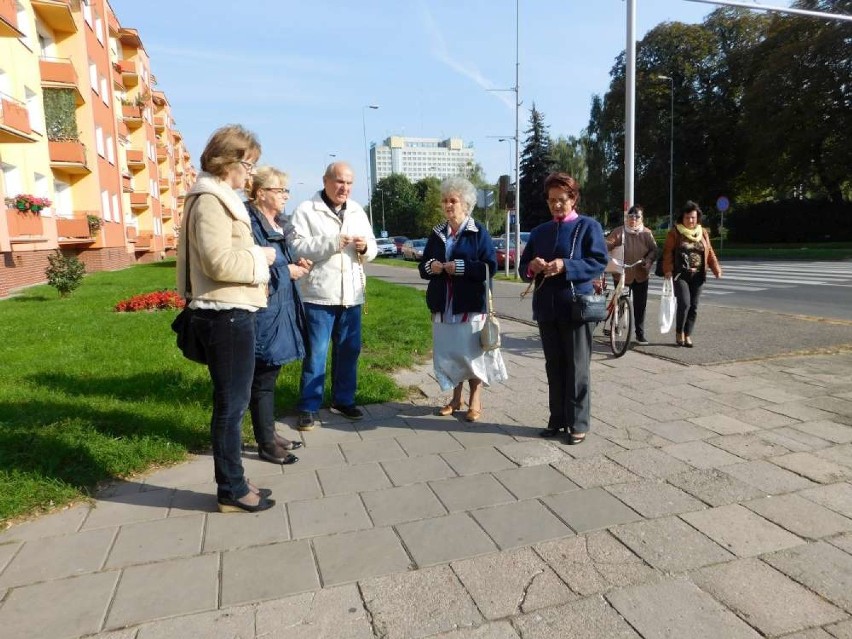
(144, 241)
(123, 131)
(24, 224)
(135, 159)
(162, 154)
(165, 184)
(126, 184)
(159, 122)
(131, 234)
(132, 115)
(167, 213)
(75, 230)
(14, 121)
(56, 14)
(9, 19)
(59, 73)
(171, 242)
(139, 201)
(127, 70)
(68, 156)
(130, 38)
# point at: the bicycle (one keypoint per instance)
(618, 324)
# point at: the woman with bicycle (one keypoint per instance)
(563, 257)
(639, 246)
(687, 254)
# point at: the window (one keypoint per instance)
(105, 205)
(99, 28)
(63, 204)
(24, 24)
(35, 109)
(110, 149)
(99, 140)
(12, 184)
(116, 209)
(104, 90)
(93, 76)
(87, 12)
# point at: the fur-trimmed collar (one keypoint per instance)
(443, 229)
(209, 184)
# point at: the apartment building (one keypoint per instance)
(417, 158)
(83, 127)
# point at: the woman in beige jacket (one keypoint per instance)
(227, 285)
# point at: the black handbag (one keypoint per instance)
(188, 340)
(587, 307)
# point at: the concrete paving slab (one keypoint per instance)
(511, 583)
(655, 499)
(594, 563)
(589, 509)
(812, 633)
(165, 589)
(352, 479)
(58, 609)
(800, 516)
(677, 608)
(534, 453)
(418, 469)
(443, 539)
(372, 451)
(496, 630)
(595, 471)
(801, 411)
(58, 557)
(313, 457)
(520, 524)
(481, 435)
(714, 487)
(764, 418)
(767, 477)
(823, 568)
(335, 613)
(195, 499)
(749, 447)
(679, 431)
(227, 531)
(419, 604)
(267, 572)
(340, 513)
(650, 463)
(468, 493)
(8, 550)
(739, 401)
(428, 443)
(534, 481)
(127, 509)
(838, 497)
(724, 424)
(844, 542)
(158, 540)
(593, 446)
(671, 545)
(794, 440)
(233, 623)
(478, 460)
(62, 522)
(405, 503)
(349, 557)
(841, 455)
(295, 486)
(842, 630)
(771, 601)
(826, 429)
(589, 618)
(741, 531)
(198, 469)
(701, 455)
(836, 405)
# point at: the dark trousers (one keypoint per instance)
(639, 292)
(567, 355)
(262, 402)
(228, 338)
(687, 290)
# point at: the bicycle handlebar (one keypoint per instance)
(621, 264)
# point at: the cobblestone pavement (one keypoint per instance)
(709, 501)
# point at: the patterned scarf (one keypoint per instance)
(693, 235)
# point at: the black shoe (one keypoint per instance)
(276, 454)
(308, 420)
(235, 505)
(640, 339)
(352, 412)
(287, 444)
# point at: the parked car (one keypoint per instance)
(386, 247)
(399, 240)
(413, 250)
(500, 246)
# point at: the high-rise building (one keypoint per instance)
(417, 158)
(86, 140)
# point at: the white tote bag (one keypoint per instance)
(667, 306)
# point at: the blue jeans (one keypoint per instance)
(228, 338)
(341, 326)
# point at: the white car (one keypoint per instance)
(386, 247)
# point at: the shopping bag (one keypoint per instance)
(667, 306)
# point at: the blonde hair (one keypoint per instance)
(228, 145)
(263, 175)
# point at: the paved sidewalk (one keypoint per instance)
(711, 501)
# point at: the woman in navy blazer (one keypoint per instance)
(562, 257)
(458, 259)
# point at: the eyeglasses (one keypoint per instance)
(634, 216)
(562, 201)
(248, 166)
(276, 190)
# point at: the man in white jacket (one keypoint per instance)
(334, 233)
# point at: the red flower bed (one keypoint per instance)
(156, 301)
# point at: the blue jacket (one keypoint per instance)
(472, 251)
(551, 240)
(281, 325)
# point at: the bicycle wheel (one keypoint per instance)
(621, 326)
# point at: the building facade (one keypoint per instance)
(85, 133)
(417, 158)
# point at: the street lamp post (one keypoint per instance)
(671, 147)
(367, 158)
(382, 193)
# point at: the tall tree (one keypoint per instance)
(569, 155)
(429, 198)
(397, 195)
(536, 163)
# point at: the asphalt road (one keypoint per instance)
(789, 318)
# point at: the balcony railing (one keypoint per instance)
(139, 200)
(9, 19)
(76, 227)
(14, 120)
(132, 115)
(68, 156)
(127, 69)
(135, 159)
(24, 223)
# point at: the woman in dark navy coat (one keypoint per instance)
(562, 257)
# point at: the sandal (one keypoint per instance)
(449, 409)
(576, 438)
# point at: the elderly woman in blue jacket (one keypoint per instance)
(563, 256)
(281, 325)
(457, 261)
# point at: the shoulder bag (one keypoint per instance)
(489, 336)
(188, 340)
(589, 307)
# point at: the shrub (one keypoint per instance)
(65, 273)
(156, 301)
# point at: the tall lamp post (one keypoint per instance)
(367, 158)
(384, 228)
(671, 147)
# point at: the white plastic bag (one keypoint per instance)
(667, 306)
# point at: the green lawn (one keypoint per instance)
(88, 395)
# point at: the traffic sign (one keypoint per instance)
(513, 219)
(723, 204)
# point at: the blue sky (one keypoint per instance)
(299, 73)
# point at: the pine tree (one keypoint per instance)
(536, 164)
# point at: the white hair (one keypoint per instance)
(461, 187)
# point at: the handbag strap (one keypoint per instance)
(488, 290)
(571, 255)
(187, 282)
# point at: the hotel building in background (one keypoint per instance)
(83, 125)
(417, 158)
